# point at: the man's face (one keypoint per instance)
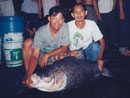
(79, 13)
(56, 21)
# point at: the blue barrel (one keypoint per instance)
(12, 35)
(14, 24)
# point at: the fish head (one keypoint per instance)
(53, 82)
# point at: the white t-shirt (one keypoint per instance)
(47, 4)
(6, 8)
(105, 6)
(81, 38)
(29, 6)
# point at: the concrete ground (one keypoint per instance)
(117, 86)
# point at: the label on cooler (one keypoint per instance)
(13, 54)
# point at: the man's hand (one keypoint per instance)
(27, 81)
(122, 15)
(98, 16)
(39, 14)
(73, 53)
(44, 60)
(100, 64)
(60, 57)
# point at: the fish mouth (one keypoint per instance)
(55, 82)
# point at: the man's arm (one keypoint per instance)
(122, 15)
(99, 59)
(40, 8)
(96, 9)
(32, 65)
(58, 51)
(114, 4)
(102, 43)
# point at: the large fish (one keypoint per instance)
(67, 73)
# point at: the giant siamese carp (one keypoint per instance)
(67, 73)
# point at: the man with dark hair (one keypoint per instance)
(88, 4)
(84, 35)
(50, 42)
